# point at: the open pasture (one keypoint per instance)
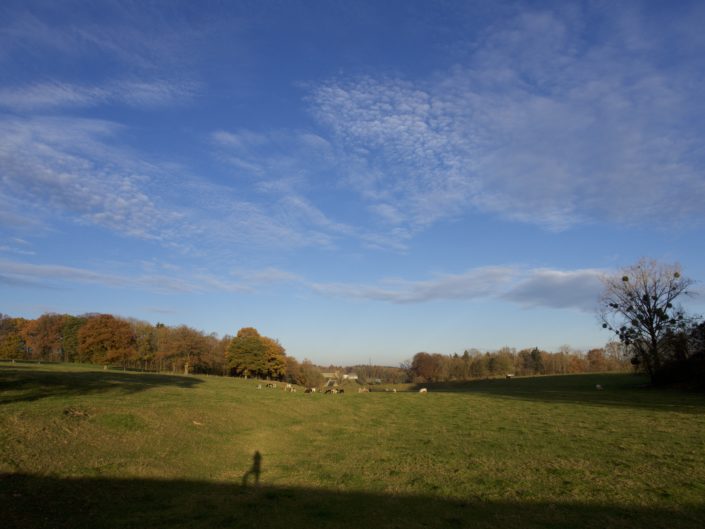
(82, 447)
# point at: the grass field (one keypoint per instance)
(89, 448)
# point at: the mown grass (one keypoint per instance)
(88, 448)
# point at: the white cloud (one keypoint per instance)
(142, 39)
(153, 93)
(222, 221)
(65, 95)
(217, 284)
(76, 169)
(52, 276)
(15, 250)
(50, 95)
(14, 281)
(273, 157)
(288, 165)
(473, 284)
(169, 280)
(572, 289)
(66, 166)
(267, 275)
(138, 58)
(578, 289)
(540, 124)
(50, 273)
(243, 139)
(158, 310)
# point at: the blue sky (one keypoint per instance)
(360, 180)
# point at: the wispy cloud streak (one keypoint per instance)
(67, 166)
(77, 169)
(574, 289)
(67, 95)
(54, 276)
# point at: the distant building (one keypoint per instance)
(331, 379)
(350, 376)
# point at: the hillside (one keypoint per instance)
(89, 448)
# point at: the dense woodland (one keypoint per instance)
(105, 339)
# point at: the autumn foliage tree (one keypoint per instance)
(72, 324)
(309, 375)
(44, 336)
(11, 343)
(189, 345)
(425, 367)
(250, 354)
(105, 339)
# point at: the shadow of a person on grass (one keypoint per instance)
(255, 471)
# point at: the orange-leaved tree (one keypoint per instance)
(105, 339)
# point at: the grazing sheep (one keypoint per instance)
(394, 390)
(598, 387)
(341, 390)
(259, 386)
(423, 390)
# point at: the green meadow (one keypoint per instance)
(83, 447)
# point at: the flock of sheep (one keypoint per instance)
(335, 390)
(290, 388)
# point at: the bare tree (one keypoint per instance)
(639, 305)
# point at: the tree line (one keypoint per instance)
(473, 364)
(133, 344)
(105, 339)
(109, 340)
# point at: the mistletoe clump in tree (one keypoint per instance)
(639, 305)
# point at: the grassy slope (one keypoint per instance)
(110, 449)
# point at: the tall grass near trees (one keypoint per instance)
(88, 448)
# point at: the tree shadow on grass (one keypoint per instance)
(27, 385)
(618, 389)
(29, 502)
